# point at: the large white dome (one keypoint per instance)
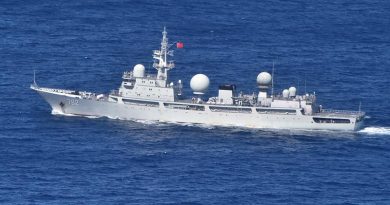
(139, 71)
(199, 83)
(264, 78)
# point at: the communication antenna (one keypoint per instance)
(35, 83)
(272, 79)
(360, 107)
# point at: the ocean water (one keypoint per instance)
(338, 49)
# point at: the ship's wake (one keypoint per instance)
(375, 130)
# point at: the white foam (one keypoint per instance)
(91, 116)
(188, 124)
(55, 112)
(147, 122)
(112, 118)
(376, 130)
(206, 126)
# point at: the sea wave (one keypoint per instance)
(376, 130)
(147, 122)
(113, 117)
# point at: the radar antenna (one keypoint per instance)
(161, 62)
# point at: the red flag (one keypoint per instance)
(179, 45)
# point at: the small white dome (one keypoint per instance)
(139, 71)
(292, 91)
(264, 78)
(285, 93)
(199, 83)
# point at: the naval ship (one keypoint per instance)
(143, 96)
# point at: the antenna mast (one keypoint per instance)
(161, 58)
(35, 83)
(272, 81)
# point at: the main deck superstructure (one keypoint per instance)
(154, 97)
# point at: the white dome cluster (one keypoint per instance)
(289, 93)
(199, 83)
(139, 71)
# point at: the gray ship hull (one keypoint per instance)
(67, 103)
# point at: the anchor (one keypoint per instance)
(62, 105)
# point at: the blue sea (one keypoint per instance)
(338, 49)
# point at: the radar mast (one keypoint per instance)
(161, 62)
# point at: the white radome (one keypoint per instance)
(139, 71)
(292, 91)
(199, 83)
(286, 93)
(264, 78)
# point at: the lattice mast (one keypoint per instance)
(161, 62)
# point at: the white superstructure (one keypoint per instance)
(155, 97)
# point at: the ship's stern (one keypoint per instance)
(359, 121)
